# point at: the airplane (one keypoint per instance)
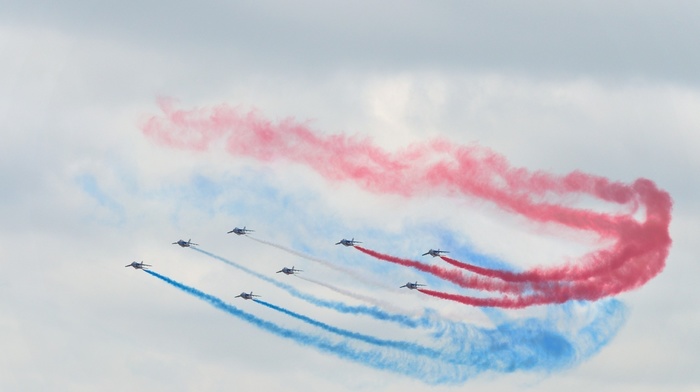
(412, 286)
(435, 253)
(242, 231)
(138, 265)
(246, 295)
(345, 242)
(288, 271)
(184, 244)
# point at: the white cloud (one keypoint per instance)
(75, 318)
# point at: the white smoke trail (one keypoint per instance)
(372, 300)
(353, 273)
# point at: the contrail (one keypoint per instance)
(639, 252)
(353, 273)
(635, 248)
(372, 300)
(641, 246)
(529, 293)
(437, 166)
(374, 311)
(455, 276)
(410, 348)
(426, 371)
(512, 346)
(509, 302)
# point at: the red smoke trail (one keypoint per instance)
(454, 276)
(643, 260)
(635, 261)
(419, 169)
(639, 248)
(504, 302)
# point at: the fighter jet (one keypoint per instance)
(246, 295)
(288, 271)
(138, 265)
(345, 242)
(412, 286)
(184, 244)
(239, 231)
(435, 252)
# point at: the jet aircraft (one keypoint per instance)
(184, 244)
(412, 286)
(345, 242)
(246, 295)
(289, 271)
(240, 231)
(138, 265)
(435, 252)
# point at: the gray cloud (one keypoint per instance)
(607, 88)
(545, 38)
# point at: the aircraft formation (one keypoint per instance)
(455, 366)
(635, 243)
(284, 270)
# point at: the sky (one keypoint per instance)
(98, 172)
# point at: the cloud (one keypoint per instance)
(607, 89)
(596, 39)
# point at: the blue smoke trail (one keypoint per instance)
(411, 348)
(531, 344)
(601, 329)
(371, 311)
(513, 345)
(554, 345)
(520, 345)
(378, 359)
(91, 186)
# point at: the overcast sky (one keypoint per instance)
(611, 89)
